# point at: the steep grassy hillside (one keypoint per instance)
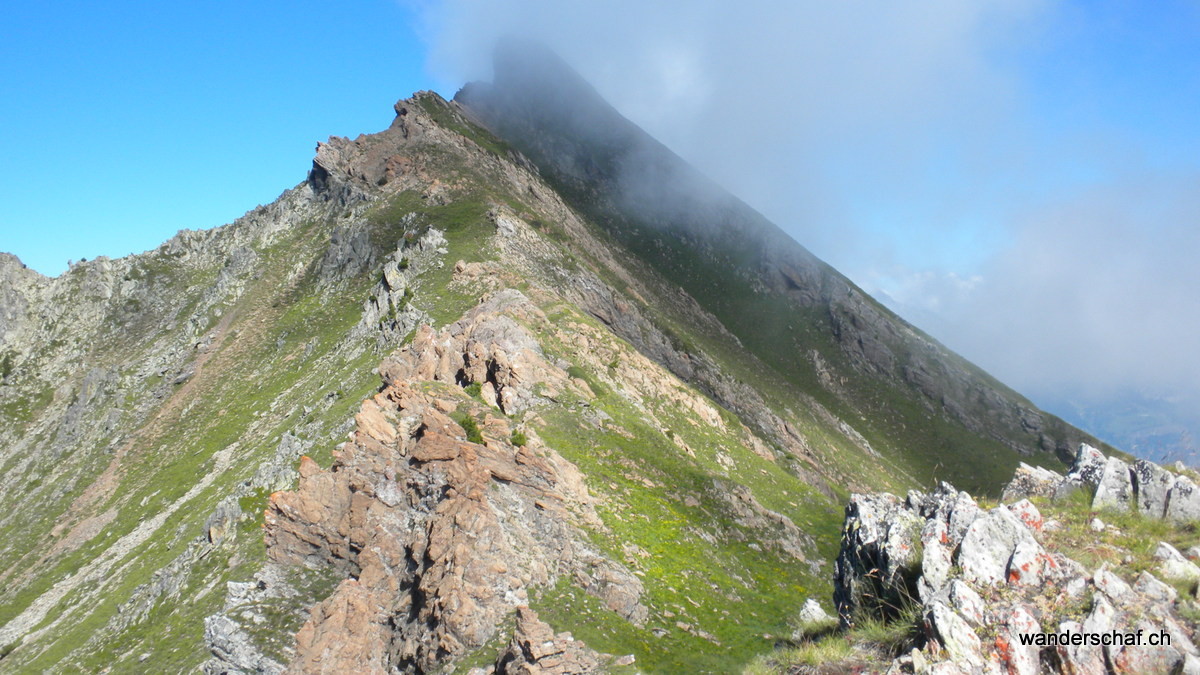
(911, 398)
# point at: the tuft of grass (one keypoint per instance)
(592, 383)
(823, 648)
(836, 654)
(471, 427)
(518, 438)
(890, 637)
(815, 630)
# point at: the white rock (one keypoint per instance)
(1080, 658)
(1179, 636)
(1184, 503)
(1027, 513)
(1172, 564)
(1076, 587)
(963, 513)
(1144, 658)
(1096, 525)
(1110, 584)
(1031, 481)
(1088, 466)
(962, 599)
(956, 635)
(1019, 659)
(813, 613)
(1025, 568)
(1150, 588)
(1115, 489)
(948, 668)
(988, 546)
(1152, 484)
(936, 559)
(901, 543)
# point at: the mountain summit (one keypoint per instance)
(792, 311)
(506, 369)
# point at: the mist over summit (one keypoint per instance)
(1014, 178)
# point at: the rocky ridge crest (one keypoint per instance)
(980, 578)
(441, 534)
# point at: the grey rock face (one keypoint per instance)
(955, 635)
(1152, 484)
(1115, 489)
(1147, 487)
(1088, 465)
(989, 544)
(874, 551)
(233, 651)
(1030, 481)
(1172, 564)
(1184, 503)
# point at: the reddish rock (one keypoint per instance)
(437, 532)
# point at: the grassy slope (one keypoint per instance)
(253, 389)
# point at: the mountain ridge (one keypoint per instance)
(783, 265)
(163, 403)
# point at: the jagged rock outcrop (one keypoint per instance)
(536, 650)
(441, 536)
(1143, 487)
(984, 580)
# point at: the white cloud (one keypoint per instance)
(902, 142)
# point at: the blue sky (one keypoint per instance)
(1021, 178)
(129, 121)
(125, 122)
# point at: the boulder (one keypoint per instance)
(1085, 472)
(1152, 484)
(1173, 566)
(1144, 658)
(1013, 657)
(1110, 584)
(988, 546)
(1115, 489)
(1031, 481)
(811, 619)
(954, 634)
(966, 602)
(1079, 659)
(936, 557)
(1028, 513)
(1149, 588)
(1183, 505)
(1088, 466)
(1027, 565)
